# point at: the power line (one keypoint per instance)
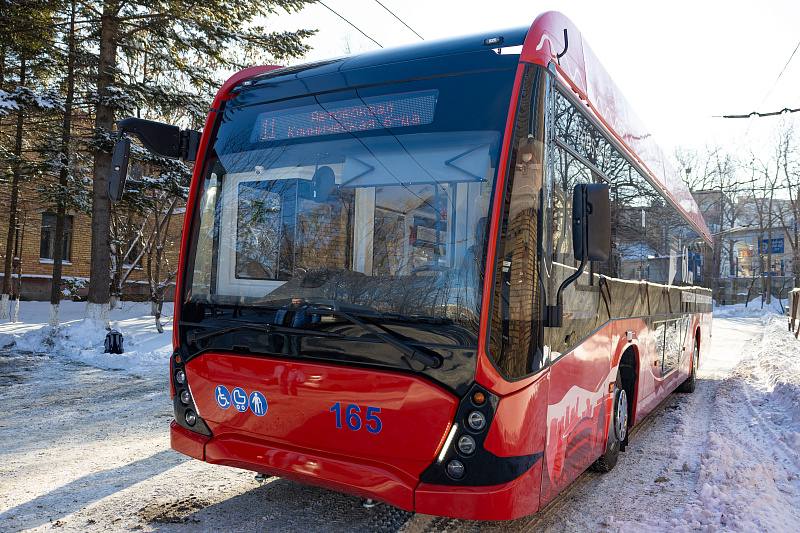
(350, 23)
(398, 18)
(775, 83)
(784, 111)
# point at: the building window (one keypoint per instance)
(46, 247)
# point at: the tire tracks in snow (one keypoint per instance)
(654, 478)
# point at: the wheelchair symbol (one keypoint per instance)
(222, 396)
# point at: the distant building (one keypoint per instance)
(755, 243)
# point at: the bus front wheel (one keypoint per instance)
(691, 382)
(617, 431)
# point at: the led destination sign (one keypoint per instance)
(372, 113)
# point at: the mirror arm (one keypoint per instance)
(554, 314)
(162, 139)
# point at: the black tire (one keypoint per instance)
(689, 385)
(618, 430)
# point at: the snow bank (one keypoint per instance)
(750, 469)
(81, 339)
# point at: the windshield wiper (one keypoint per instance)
(355, 314)
(193, 337)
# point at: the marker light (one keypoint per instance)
(185, 397)
(180, 377)
(478, 398)
(476, 420)
(466, 444)
(455, 469)
(190, 417)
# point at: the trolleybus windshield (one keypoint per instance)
(372, 197)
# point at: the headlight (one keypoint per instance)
(185, 397)
(455, 469)
(466, 444)
(476, 420)
(180, 377)
(190, 417)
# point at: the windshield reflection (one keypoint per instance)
(389, 218)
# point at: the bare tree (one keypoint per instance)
(788, 166)
(713, 176)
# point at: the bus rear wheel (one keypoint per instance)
(617, 432)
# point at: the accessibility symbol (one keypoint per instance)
(239, 399)
(222, 396)
(258, 403)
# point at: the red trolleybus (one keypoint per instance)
(449, 276)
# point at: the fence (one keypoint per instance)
(794, 312)
(741, 290)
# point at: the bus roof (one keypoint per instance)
(542, 44)
(583, 72)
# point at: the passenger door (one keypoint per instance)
(673, 344)
(581, 352)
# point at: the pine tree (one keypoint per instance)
(25, 48)
(185, 45)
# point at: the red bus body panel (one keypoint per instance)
(514, 499)
(298, 436)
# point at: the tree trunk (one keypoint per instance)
(769, 248)
(12, 206)
(17, 291)
(63, 177)
(4, 295)
(100, 274)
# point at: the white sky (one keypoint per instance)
(678, 62)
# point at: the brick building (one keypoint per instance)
(33, 250)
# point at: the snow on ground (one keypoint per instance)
(753, 308)
(749, 473)
(81, 339)
(87, 449)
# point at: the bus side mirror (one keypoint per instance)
(591, 222)
(119, 168)
(591, 239)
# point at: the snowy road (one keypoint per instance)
(87, 449)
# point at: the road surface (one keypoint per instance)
(85, 449)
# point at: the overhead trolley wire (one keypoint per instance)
(775, 83)
(752, 114)
(350, 23)
(784, 111)
(399, 19)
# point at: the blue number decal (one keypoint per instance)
(372, 416)
(336, 408)
(353, 418)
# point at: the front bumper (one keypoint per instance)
(506, 501)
